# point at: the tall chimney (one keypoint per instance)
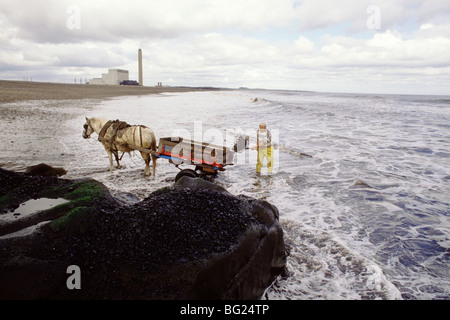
(141, 79)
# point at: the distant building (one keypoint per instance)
(114, 77)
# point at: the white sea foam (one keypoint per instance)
(320, 267)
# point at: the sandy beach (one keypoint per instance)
(32, 114)
(12, 91)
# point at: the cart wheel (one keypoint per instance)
(186, 172)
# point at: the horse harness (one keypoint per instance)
(118, 127)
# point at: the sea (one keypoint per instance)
(361, 181)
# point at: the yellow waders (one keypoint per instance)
(265, 153)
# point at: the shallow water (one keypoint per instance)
(33, 206)
(366, 216)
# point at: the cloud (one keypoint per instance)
(353, 14)
(112, 20)
(340, 60)
(303, 45)
(314, 45)
(387, 49)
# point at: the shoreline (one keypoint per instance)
(13, 91)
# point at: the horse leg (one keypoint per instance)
(146, 158)
(111, 165)
(154, 164)
(116, 155)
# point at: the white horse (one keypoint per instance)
(122, 140)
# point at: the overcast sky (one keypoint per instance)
(364, 46)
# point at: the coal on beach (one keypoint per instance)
(193, 240)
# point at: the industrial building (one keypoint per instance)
(114, 77)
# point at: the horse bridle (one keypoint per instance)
(86, 126)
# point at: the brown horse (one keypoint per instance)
(117, 137)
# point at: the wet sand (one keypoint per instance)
(12, 91)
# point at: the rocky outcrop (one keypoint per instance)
(43, 169)
(249, 266)
(190, 241)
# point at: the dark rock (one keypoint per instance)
(43, 169)
(194, 240)
(126, 198)
(197, 184)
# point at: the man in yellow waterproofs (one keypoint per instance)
(265, 148)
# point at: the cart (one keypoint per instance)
(207, 158)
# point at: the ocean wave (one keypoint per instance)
(320, 267)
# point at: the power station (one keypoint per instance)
(116, 77)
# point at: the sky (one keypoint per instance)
(353, 46)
